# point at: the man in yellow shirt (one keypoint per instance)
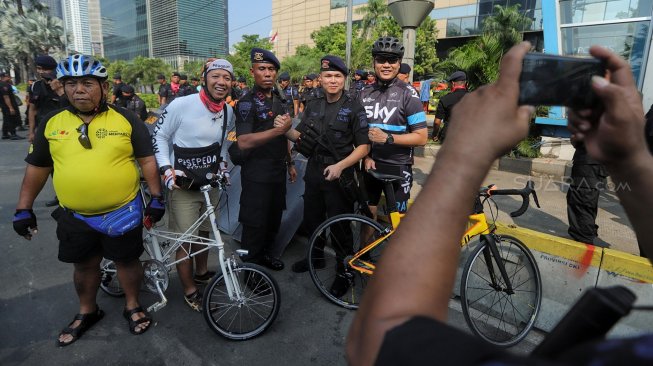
(94, 148)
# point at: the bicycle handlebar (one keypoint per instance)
(524, 193)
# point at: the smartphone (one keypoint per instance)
(559, 80)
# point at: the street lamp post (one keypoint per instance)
(410, 14)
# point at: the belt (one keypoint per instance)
(328, 160)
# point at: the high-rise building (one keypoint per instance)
(95, 25)
(54, 7)
(187, 30)
(294, 21)
(124, 29)
(77, 27)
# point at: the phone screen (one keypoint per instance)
(558, 80)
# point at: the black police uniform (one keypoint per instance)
(263, 174)
(165, 91)
(9, 122)
(588, 177)
(45, 100)
(445, 106)
(117, 91)
(342, 126)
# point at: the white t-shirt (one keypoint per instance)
(186, 122)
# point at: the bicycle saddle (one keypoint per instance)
(384, 177)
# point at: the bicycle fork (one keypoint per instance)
(490, 251)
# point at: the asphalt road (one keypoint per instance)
(37, 300)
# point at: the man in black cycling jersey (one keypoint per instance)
(402, 318)
(397, 123)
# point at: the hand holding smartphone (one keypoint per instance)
(559, 80)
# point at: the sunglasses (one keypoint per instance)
(83, 136)
(382, 59)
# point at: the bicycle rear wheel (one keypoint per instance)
(109, 279)
(331, 247)
(491, 312)
(252, 314)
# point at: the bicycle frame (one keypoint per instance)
(155, 250)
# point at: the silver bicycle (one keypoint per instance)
(239, 303)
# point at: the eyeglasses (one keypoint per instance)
(383, 59)
(83, 136)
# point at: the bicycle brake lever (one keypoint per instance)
(537, 202)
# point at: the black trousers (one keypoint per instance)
(9, 122)
(324, 199)
(583, 201)
(261, 208)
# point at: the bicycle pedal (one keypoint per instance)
(242, 252)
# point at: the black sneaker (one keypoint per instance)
(203, 279)
(301, 265)
(340, 285)
(53, 202)
(16, 137)
(6, 137)
(194, 300)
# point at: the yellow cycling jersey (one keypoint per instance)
(96, 180)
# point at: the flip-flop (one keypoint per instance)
(135, 323)
(86, 322)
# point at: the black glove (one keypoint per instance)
(155, 209)
(25, 222)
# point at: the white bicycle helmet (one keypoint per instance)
(79, 66)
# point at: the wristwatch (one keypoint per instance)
(389, 140)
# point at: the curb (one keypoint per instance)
(568, 267)
(536, 167)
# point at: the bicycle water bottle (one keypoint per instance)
(593, 315)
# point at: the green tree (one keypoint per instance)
(507, 25)
(144, 70)
(373, 13)
(25, 34)
(193, 68)
(240, 57)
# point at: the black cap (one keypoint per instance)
(259, 55)
(183, 77)
(194, 79)
(310, 77)
(284, 76)
(242, 79)
(160, 76)
(127, 89)
(404, 68)
(117, 76)
(176, 74)
(333, 63)
(360, 72)
(46, 62)
(457, 76)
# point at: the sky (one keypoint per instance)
(244, 12)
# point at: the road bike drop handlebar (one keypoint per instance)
(525, 193)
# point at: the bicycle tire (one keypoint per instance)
(327, 266)
(109, 282)
(249, 317)
(491, 313)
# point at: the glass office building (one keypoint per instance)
(124, 29)
(620, 25)
(184, 30)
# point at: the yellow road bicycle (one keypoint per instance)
(500, 287)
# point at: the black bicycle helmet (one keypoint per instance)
(388, 46)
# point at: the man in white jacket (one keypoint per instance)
(188, 141)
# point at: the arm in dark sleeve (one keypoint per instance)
(39, 155)
(141, 140)
(360, 125)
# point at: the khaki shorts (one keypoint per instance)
(185, 207)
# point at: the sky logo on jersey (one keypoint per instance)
(375, 112)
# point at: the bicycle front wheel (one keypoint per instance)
(331, 247)
(247, 316)
(109, 279)
(491, 310)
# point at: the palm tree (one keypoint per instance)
(373, 11)
(507, 24)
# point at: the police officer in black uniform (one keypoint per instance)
(358, 84)
(290, 93)
(116, 97)
(588, 177)
(43, 99)
(333, 134)
(306, 92)
(458, 82)
(263, 174)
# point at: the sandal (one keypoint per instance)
(133, 324)
(86, 322)
(194, 300)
